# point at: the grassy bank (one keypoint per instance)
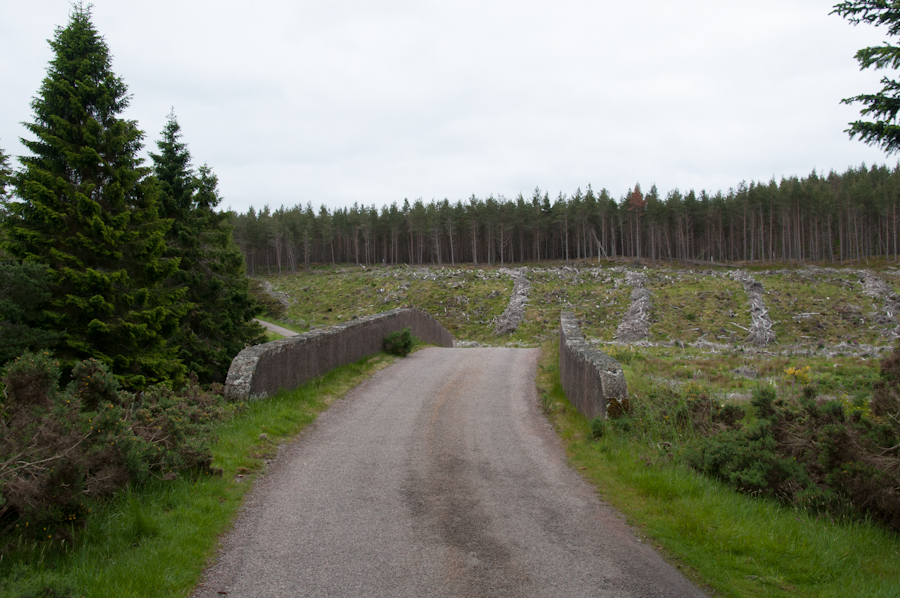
(814, 310)
(733, 544)
(155, 540)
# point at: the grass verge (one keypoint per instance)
(732, 544)
(272, 336)
(156, 540)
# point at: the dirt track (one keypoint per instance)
(437, 477)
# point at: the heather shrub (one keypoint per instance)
(93, 386)
(58, 448)
(41, 443)
(30, 382)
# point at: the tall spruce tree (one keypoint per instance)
(86, 207)
(219, 321)
(24, 292)
(883, 106)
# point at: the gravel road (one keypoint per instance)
(276, 328)
(439, 476)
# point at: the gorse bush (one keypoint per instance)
(399, 342)
(812, 453)
(838, 456)
(747, 458)
(679, 415)
(61, 447)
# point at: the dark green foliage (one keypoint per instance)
(820, 454)
(811, 453)
(887, 390)
(220, 308)
(598, 427)
(587, 226)
(24, 291)
(271, 306)
(747, 459)
(399, 342)
(763, 399)
(624, 423)
(729, 414)
(86, 208)
(93, 386)
(31, 382)
(61, 447)
(883, 106)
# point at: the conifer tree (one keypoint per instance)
(883, 106)
(5, 174)
(24, 291)
(220, 309)
(86, 207)
(5, 180)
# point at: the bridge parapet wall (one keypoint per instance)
(590, 377)
(287, 363)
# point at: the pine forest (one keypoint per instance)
(838, 218)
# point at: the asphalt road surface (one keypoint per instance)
(439, 476)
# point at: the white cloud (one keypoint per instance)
(342, 101)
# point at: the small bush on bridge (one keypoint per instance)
(399, 342)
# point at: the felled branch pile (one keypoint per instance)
(761, 333)
(515, 310)
(283, 298)
(878, 289)
(635, 326)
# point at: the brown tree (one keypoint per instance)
(636, 204)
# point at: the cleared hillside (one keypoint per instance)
(838, 321)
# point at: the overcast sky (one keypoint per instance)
(342, 101)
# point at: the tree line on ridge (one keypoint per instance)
(834, 219)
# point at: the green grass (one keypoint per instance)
(599, 299)
(841, 310)
(690, 306)
(464, 299)
(283, 324)
(838, 376)
(272, 336)
(733, 544)
(157, 539)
